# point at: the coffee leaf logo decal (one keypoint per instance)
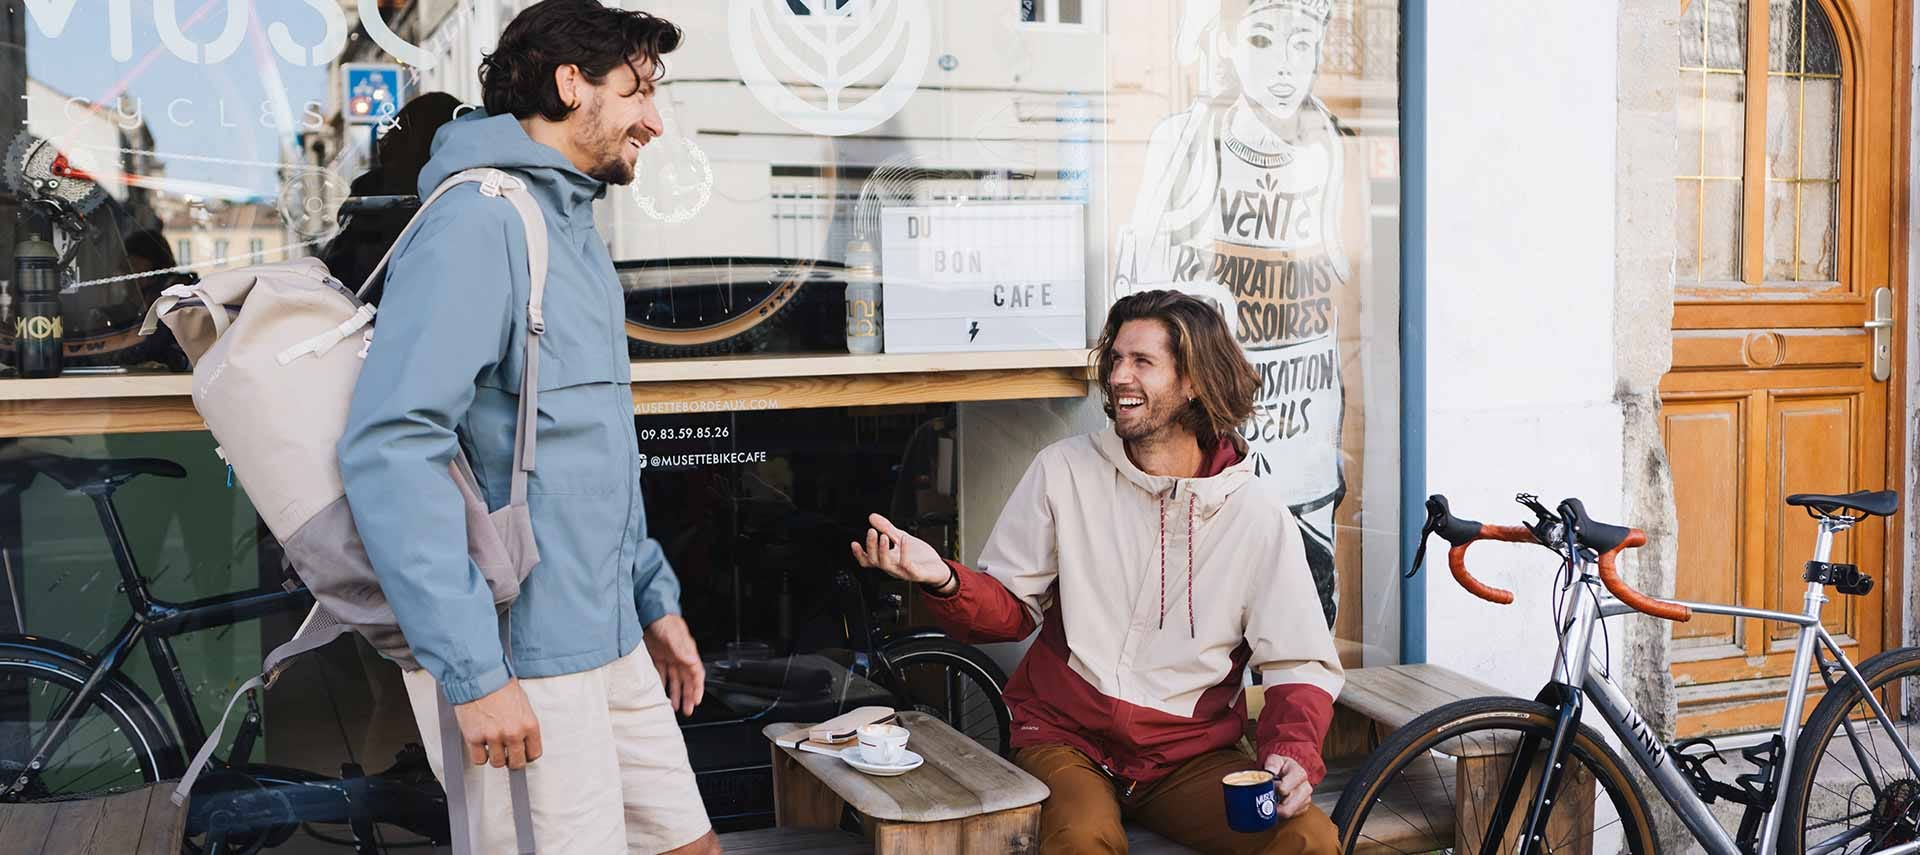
(673, 181)
(830, 50)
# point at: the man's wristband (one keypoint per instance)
(940, 590)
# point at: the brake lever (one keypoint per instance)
(1435, 513)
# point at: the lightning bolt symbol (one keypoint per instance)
(974, 332)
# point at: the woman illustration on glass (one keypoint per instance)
(1240, 203)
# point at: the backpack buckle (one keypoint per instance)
(491, 186)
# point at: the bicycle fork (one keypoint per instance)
(1564, 694)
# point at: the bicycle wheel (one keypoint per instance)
(1434, 786)
(956, 683)
(110, 744)
(1851, 790)
(710, 306)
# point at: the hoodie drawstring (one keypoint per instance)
(1191, 502)
(1163, 562)
(1192, 505)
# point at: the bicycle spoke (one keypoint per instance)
(1857, 773)
(75, 787)
(1853, 739)
(96, 741)
(1832, 790)
(1400, 816)
(1591, 833)
(1382, 843)
(1420, 803)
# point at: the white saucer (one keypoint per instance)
(909, 763)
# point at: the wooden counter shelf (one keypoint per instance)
(134, 403)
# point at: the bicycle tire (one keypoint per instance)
(983, 716)
(743, 320)
(645, 342)
(113, 716)
(1482, 717)
(1805, 790)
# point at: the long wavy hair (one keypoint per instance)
(1204, 353)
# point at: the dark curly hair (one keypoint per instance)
(517, 77)
(1224, 382)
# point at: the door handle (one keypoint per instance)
(1882, 328)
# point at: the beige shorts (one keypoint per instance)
(613, 778)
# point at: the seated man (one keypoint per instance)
(1157, 568)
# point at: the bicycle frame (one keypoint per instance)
(153, 622)
(1593, 682)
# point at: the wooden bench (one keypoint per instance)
(1375, 702)
(140, 822)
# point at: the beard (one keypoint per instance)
(609, 149)
(611, 165)
(1146, 421)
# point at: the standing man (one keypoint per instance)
(571, 697)
(1157, 568)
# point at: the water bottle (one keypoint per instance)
(863, 299)
(37, 330)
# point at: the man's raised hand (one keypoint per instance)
(899, 554)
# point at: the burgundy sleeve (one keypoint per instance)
(1294, 724)
(980, 611)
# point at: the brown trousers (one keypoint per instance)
(1188, 807)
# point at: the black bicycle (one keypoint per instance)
(72, 723)
(886, 661)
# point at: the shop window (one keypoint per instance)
(1759, 195)
(787, 156)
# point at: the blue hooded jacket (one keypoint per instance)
(444, 373)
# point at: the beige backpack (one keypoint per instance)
(276, 350)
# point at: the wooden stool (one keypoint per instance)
(965, 799)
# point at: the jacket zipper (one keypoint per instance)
(1132, 784)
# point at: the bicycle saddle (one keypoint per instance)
(83, 473)
(1879, 504)
(1597, 536)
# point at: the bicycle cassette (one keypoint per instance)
(36, 169)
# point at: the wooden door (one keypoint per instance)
(1789, 221)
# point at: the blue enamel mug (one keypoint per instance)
(1252, 805)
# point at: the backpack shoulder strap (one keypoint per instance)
(496, 183)
(535, 221)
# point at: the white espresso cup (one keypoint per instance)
(883, 744)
